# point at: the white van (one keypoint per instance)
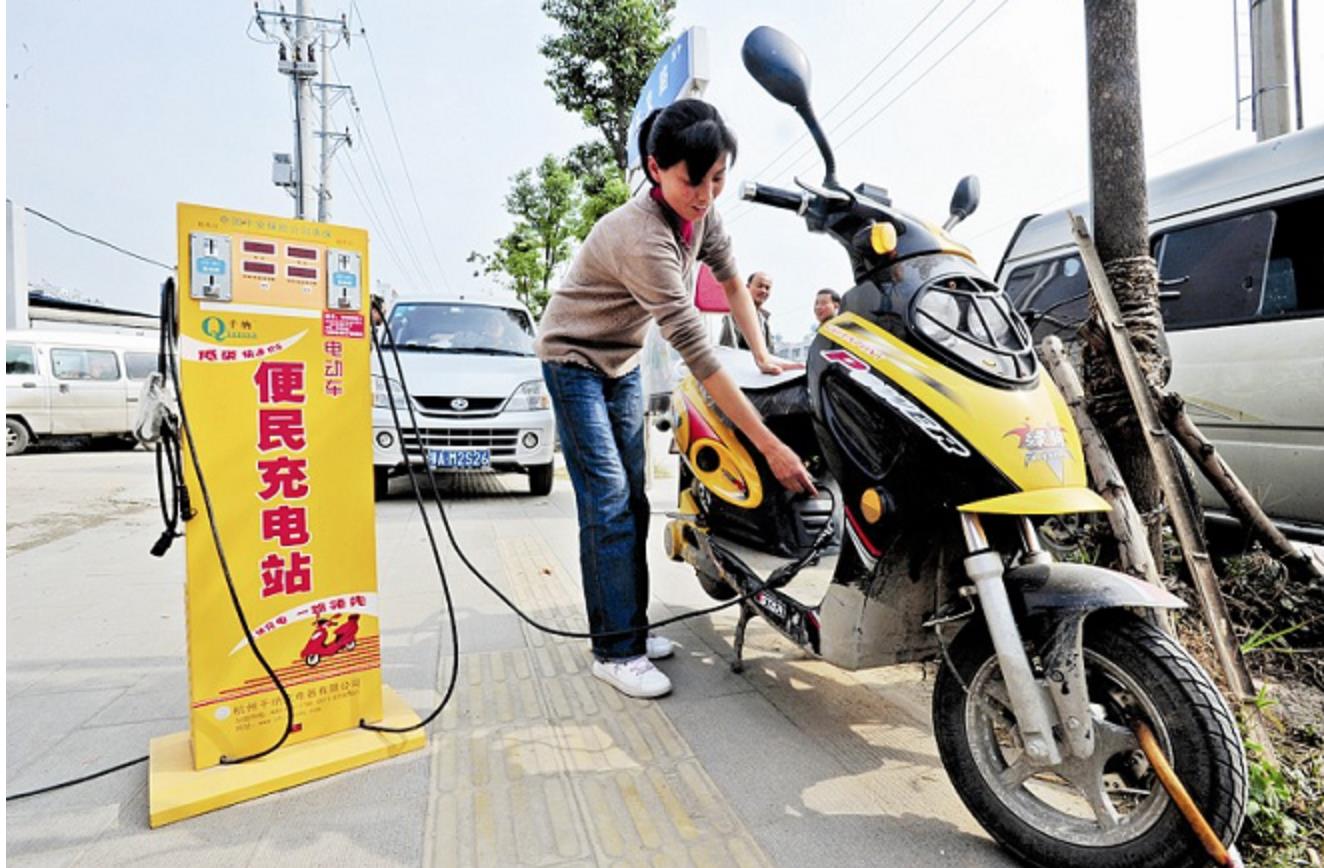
(477, 391)
(1241, 283)
(61, 383)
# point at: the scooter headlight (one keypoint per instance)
(530, 396)
(973, 322)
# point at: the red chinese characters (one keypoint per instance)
(283, 476)
(333, 368)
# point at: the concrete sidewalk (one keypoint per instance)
(533, 763)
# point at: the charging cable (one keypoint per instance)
(784, 574)
(167, 365)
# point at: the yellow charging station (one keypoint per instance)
(274, 355)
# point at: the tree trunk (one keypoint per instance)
(1120, 221)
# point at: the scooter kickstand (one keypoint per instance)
(747, 612)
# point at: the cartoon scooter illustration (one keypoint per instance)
(342, 639)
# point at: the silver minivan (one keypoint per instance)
(1241, 271)
(64, 383)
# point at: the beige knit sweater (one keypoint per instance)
(633, 267)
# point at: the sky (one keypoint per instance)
(116, 111)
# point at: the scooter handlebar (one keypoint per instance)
(791, 200)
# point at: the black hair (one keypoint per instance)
(836, 299)
(689, 130)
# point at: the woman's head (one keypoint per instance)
(686, 149)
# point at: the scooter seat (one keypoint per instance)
(771, 394)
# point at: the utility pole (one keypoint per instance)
(1271, 89)
(16, 266)
(1120, 224)
(328, 95)
(299, 79)
(301, 35)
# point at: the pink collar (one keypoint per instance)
(685, 227)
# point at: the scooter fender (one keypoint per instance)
(1085, 588)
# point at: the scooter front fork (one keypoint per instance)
(1035, 712)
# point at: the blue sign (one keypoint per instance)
(210, 265)
(681, 69)
(344, 278)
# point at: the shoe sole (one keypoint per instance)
(671, 653)
(634, 694)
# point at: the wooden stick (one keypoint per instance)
(1124, 519)
(1233, 490)
(1185, 520)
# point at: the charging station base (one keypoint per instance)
(177, 791)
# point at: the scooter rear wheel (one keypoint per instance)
(1109, 810)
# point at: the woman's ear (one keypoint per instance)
(653, 169)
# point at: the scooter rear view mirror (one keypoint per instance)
(782, 69)
(779, 65)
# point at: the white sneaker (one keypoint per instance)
(635, 677)
(660, 647)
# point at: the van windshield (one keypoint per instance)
(462, 328)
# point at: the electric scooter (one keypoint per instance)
(343, 639)
(923, 400)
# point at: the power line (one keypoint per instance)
(1073, 194)
(427, 233)
(379, 175)
(893, 50)
(812, 150)
(922, 75)
(373, 218)
(103, 242)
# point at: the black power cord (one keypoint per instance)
(784, 574)
(168, 320)
(169, 362)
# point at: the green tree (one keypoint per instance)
(545, 203)
(602, 59)
(601, 183)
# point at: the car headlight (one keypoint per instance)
(379, 398)
(530, 396)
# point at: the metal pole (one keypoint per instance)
(16, 266)
(324, 190)
(301, 107)
(1268, 28)
(1296, 62)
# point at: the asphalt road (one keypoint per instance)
(790, 763)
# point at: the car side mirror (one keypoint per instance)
(965, 199)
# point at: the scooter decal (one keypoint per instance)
(343, 604)
(1046, 443)
(859, 372)
(330, 638)
(862, 342)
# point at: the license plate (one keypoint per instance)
(460, 459)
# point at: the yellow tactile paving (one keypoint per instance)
(538, 763)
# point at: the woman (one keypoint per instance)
(638, 263)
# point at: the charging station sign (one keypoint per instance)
(275, 377)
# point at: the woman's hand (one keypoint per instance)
(770, 364)
(788, 468)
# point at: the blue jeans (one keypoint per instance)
(601, 424)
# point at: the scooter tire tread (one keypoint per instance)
(1225, 772)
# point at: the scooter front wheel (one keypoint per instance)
(1109, 809)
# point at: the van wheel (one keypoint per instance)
(381, 481)
(17, 438)
(540, 480)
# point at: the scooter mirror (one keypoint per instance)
(964, 200)
(779, 65)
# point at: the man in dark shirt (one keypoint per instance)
(760, 287)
